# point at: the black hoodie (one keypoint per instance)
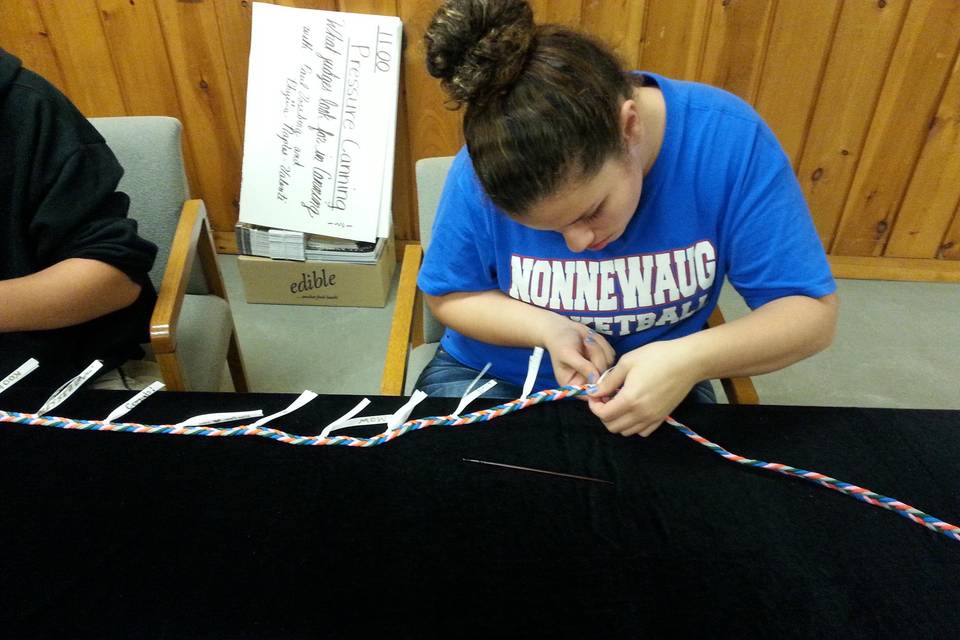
(58, 200)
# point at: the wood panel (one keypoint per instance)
(550, 11)
(950, 248)
(675, 34)
(736, 43)
(192, 35)
(797, 49)
(23, 33)
(234, 21)
(619, 24)
(863, 94)
(863, 44)
(138, 52)
(80, 45)
(922, 60)
(934, 192)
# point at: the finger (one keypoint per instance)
(628, 425)
(612, 380)
(584, 368)
(609, 352)
(598, 346)
(615, 408)
(649, 430)
(635, 430)
(576, 380)
(596, 351)
(569, 363)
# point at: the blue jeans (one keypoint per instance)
(445, 377)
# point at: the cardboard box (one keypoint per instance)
(332, 284)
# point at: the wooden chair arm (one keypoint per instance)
(398, 346)
(738, 390)
(183, 250)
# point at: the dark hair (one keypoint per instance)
(542, 101)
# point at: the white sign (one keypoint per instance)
(320, 124)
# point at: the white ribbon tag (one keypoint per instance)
(392, 421)
(362, 421)
(217, 418)
(473, 395)
(404, 412)
(303, 399)
(340, 422)
(22, 371)
(68, 388)
(127, 406)
(533, 368)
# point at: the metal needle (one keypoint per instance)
(551, 473)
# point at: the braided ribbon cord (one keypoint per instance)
(549, 395)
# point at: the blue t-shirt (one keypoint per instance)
(721, 200)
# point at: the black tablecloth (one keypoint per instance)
(158, 536)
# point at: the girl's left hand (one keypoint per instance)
(652, 380)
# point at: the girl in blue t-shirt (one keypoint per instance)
(596, 213)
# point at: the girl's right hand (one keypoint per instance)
(579, 354)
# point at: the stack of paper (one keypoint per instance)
(295, 245)
(319, 134)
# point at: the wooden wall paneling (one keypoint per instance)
(934, 192)
(617, 23)
(235, 19)
(435, 129)
(432, 128)
(406, 225)
(80, 45)
(863, 44)
(565, 12)
(793, 67)
(375, 7)
(950, 246)
(675, 34)
(326, 5)
(903, 269)
(736, 42)
(191, 33)
(922, 60)
(23, 34)
(143, 68)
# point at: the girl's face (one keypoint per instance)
(592, 213)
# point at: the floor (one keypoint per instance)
(898, 345)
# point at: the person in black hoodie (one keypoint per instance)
(74, 282)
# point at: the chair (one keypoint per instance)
(191, 331)
(415, 333)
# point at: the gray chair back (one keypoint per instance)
(431, 176)
(148, 149)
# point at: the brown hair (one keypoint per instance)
(542, 101)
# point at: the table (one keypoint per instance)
(158, 536)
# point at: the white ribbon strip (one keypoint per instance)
(533, 368)
(68, 388)
(21, 372)
(217, 418)
(404, 412)
(127, 406)
(340, 422)
(473, 395)
(363, 421)
(303, 399)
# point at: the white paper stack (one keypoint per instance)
(320, 127)
(295, 245)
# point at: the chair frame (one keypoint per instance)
(406, 331)
(192, 239)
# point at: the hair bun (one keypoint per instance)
(477, 48)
